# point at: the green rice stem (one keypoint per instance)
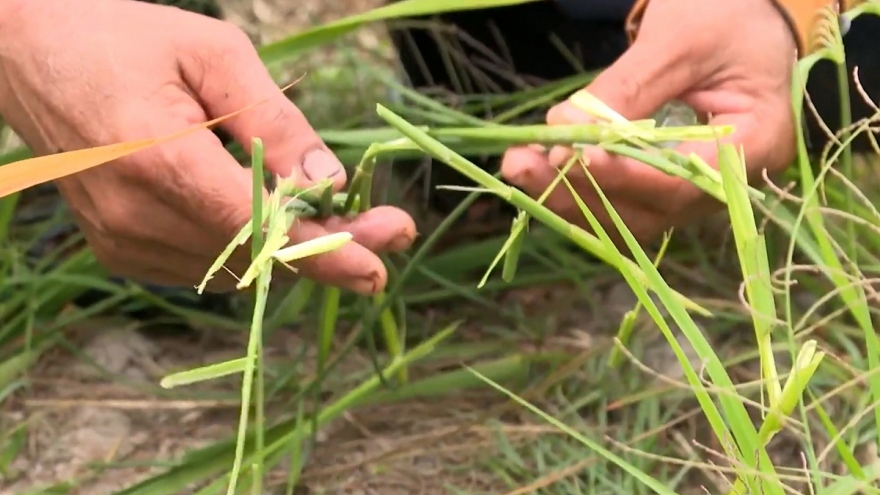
(521, 200)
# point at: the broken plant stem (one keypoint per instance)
(588, 242)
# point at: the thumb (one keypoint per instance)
(227, 75)
(636, 85)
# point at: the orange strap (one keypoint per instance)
(803, 18)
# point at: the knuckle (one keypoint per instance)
(219, 48)
(230, 40)
(286, 124)
(632, 87)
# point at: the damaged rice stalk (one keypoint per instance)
(618, 136)
(510, 251)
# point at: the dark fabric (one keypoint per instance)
(596, 10)
(862, 45)
(536, 40)
(209, 8)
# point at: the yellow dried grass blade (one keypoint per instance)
(23, 174)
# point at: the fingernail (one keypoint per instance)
(402, 241)
(370, 283)
(537, 148)
(559, 156)
(321, 164)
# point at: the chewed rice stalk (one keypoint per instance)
(278, 217)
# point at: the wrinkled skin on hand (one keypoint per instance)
(94, 72)
(730, 60)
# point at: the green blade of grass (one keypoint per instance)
(205, 373)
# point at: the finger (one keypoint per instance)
(196, 177)
(619, 176)
(629, 179)
(355, 265)
(528, 168)
(381, 229)
(636, 86)
(351, 266)
(227, 75)
(147, 261)
(532, 171)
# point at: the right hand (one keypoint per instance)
(75, 75)
(739, 73)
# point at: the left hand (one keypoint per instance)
(730, 60)
(97, 72)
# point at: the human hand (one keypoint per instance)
(80, 74)
(730, 60)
